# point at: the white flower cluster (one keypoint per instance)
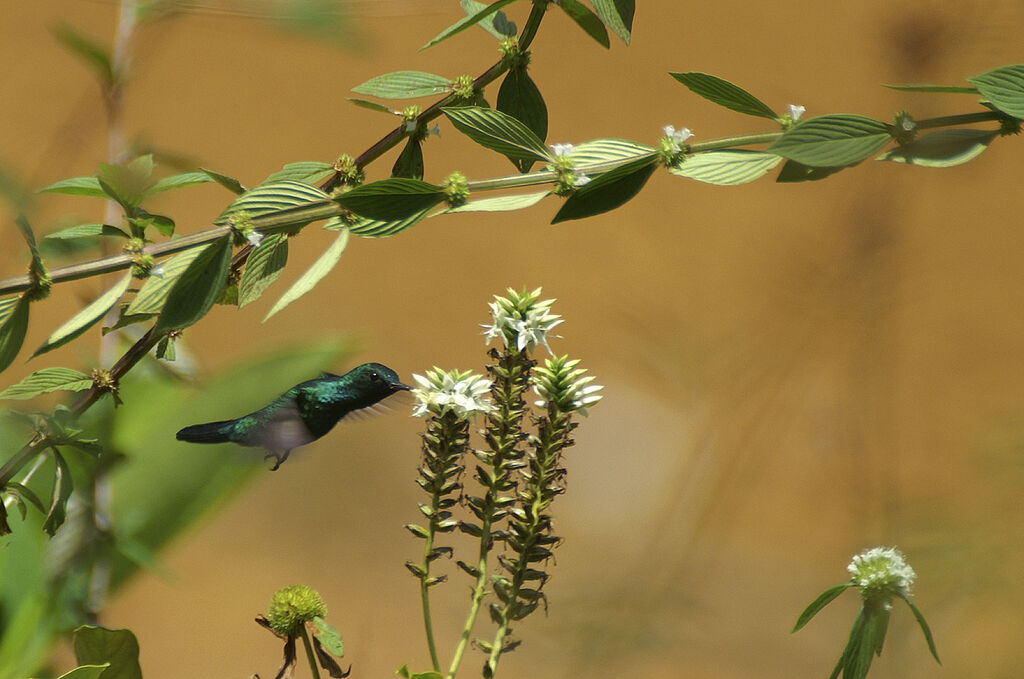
(521, 320)
(882, 570)
(462, 393)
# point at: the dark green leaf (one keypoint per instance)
(329, 637)
(46, 380)
(1004, 88)
(498, 132)
(85, 318)
(392, 199)
(944, 148)
(13, 326)
(85, 672)
(26, 493)
(96, 645)
(503, 28)
(617, 15)
(30, 239)
(179, 181)
(321, 267)
(793, 172)
(373, 106)
(501, 203)
(91, 52)
(87, 231)
(153, 295)
(520, 98)
(405, 85)
(724, 93)
(832, 140)
(824, 599)
(410, 161)
(608, 191)
(586, 20)
(263, 267)
(727, 168)
(76, 186)
(229, 183)
(163, 224)
(469, 21)
(497, 24)
(196, 290)
(307, 171)
(275, 200)
(924, 628)
(62, 487)
(381, 228)
(933, 88)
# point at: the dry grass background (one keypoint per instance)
(793, 372)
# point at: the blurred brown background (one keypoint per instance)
(793, 372)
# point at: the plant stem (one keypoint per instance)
(479, 589)
(314, 666)
(428, 625)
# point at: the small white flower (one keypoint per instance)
(581, 178)
(461, 393)
(561, 149)
(882, 571)
(255, 238)
(158, 270)
(796, 111)
(522, 321)
(436, 129)
(677, 137)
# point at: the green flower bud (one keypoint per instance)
(350, 173)
(293, 607)
(463, 87)
(456, 189)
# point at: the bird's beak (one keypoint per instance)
(401, 386)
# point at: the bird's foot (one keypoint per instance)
(279, 459)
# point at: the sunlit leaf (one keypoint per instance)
(498, 132)
(373, 106)
(405, 85)
(179, 181)
(467, 22)
(307, 171)
(1004, 88)
(316, 273)
(46, 380)
(724, 93)
(586, 20)
(607, 191)
(197, 288)
(948, 89)
(127, 184)
(606, 150)
(76, 186)
(944, 148)
(263, 267)
(275, 199)
(793, 172)
(727, 168)
(392, 199)
(120, 648)
(85, 318)
(87, 231)
(13, 326)
(832, 140)
(617, 15)
(229, 183)
(500, 203)
(381, 228)
(497, 24)
(329, 637)
(150, 299)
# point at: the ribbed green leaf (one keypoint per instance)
(153, 295)
(229, 183)
(824, 599)
(381, 228)
(87, 231)
(617, 15)
(944, 148)
(198, 287)
(46, 380)
(727, 168)
(1004, 88)
(118, 647)
(793, 172)
(933, 88)
(498, 132)
(608, 191)
(405, 85)
(262, 268)
(307, 172)
(180, 181)
(605, 150)
(410, 161)
(586, 20)
(519, 97)
(373, 106)
(724, 93)
(76, 186)
(497, 24)
(62, 487)
(13, 326)
(469, 21)
(832, 140)
(316, 273)
(274, 198)
(392, 199)
(85, 318)
(501, 203)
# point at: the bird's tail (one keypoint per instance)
(211, 432)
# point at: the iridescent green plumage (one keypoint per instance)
(302, 414)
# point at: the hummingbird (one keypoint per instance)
(304, 413)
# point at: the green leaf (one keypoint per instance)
(46, 380)
(410, 161)
(498, 131)
(933, 88)
(263, 267)
(13, 326)
(520, 98)
(617, 15)
(944, 148)
(793, 172)
(405, 85)
(924, 627)
(62, 487)
(307, 172)
(608, 191)
(85, 672)
(501, 203)
(24, 493)
(608, 150)
(586, 20)
(373, 106)
(30, 239)
(197, 288)
(96, 645)
(275, 199)
(127, 184)
(405, 673)
(229, 183)
(76, 186)
(316, 273)
(832, 140)
(381, 228)
(724, 93)
(392, 199)
(87, 231)
(1004, 88)
(468, 22)
(824, 599)
(329, 637)
(153, 295)
(727, 168)
(497, 25)
(180, 181)
(85, 318)
(96, 56)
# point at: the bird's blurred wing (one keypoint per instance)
(381, 407)
(284, 431)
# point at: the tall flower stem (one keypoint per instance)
(310, 655)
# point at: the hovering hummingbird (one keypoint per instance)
(304, 413)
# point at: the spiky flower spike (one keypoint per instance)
(881, 574)
(521, 321)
